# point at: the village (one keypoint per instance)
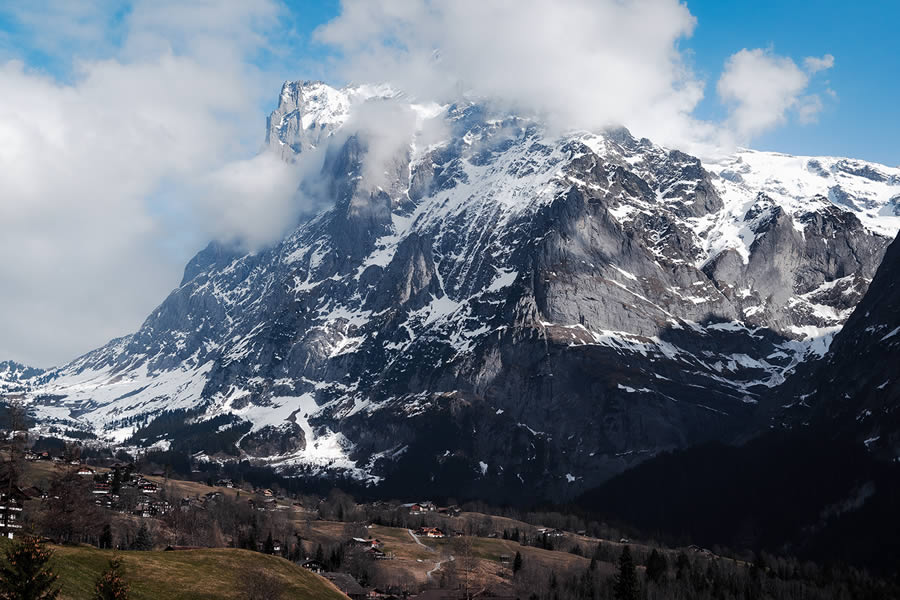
(372, 550)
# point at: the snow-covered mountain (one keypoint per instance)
(15, 377)
(488, 306)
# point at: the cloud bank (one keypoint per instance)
(112, 179)
(576, 63)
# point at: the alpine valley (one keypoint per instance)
(476, 305)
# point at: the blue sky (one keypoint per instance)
(863, 120)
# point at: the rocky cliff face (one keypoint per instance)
(486, 303)
(855, 390)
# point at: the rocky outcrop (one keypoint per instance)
(855, 391)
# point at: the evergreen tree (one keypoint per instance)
(656, 566)
(116, 485)
(106, 540)
(25, 574)
(320, 555)
(269, 545)
(626, 587)
(110, 585)
(517, 563)
(143, 540)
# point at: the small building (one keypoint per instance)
(347, 584)
(313, 565)
(12, 500)
(549, 532)
(86, 471)
(431, 532)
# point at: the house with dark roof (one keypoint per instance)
(347, 584)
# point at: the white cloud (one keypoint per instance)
(112, 180)
(761, 87)
(808, 109)
(814, 64)
(578, 63)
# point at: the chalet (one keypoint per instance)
(313, 565)
(86, 471)
(376, 554)
(420, 507)
(101, 488)
(149, 487)
(430, 532)
(347, 584)
(11, 501)
(549, 532)
(450, 511)
(226, 483)
(268, 493)
(367, 543)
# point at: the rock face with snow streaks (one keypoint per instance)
(556, 308)
(855, 390)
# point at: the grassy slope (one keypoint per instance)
(185, 575)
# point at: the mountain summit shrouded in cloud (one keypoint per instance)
(577, 64)
(131, 132)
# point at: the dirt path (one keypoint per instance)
(437, 567)
(419, 542)
(437, 564)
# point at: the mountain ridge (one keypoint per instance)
(585, 301)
